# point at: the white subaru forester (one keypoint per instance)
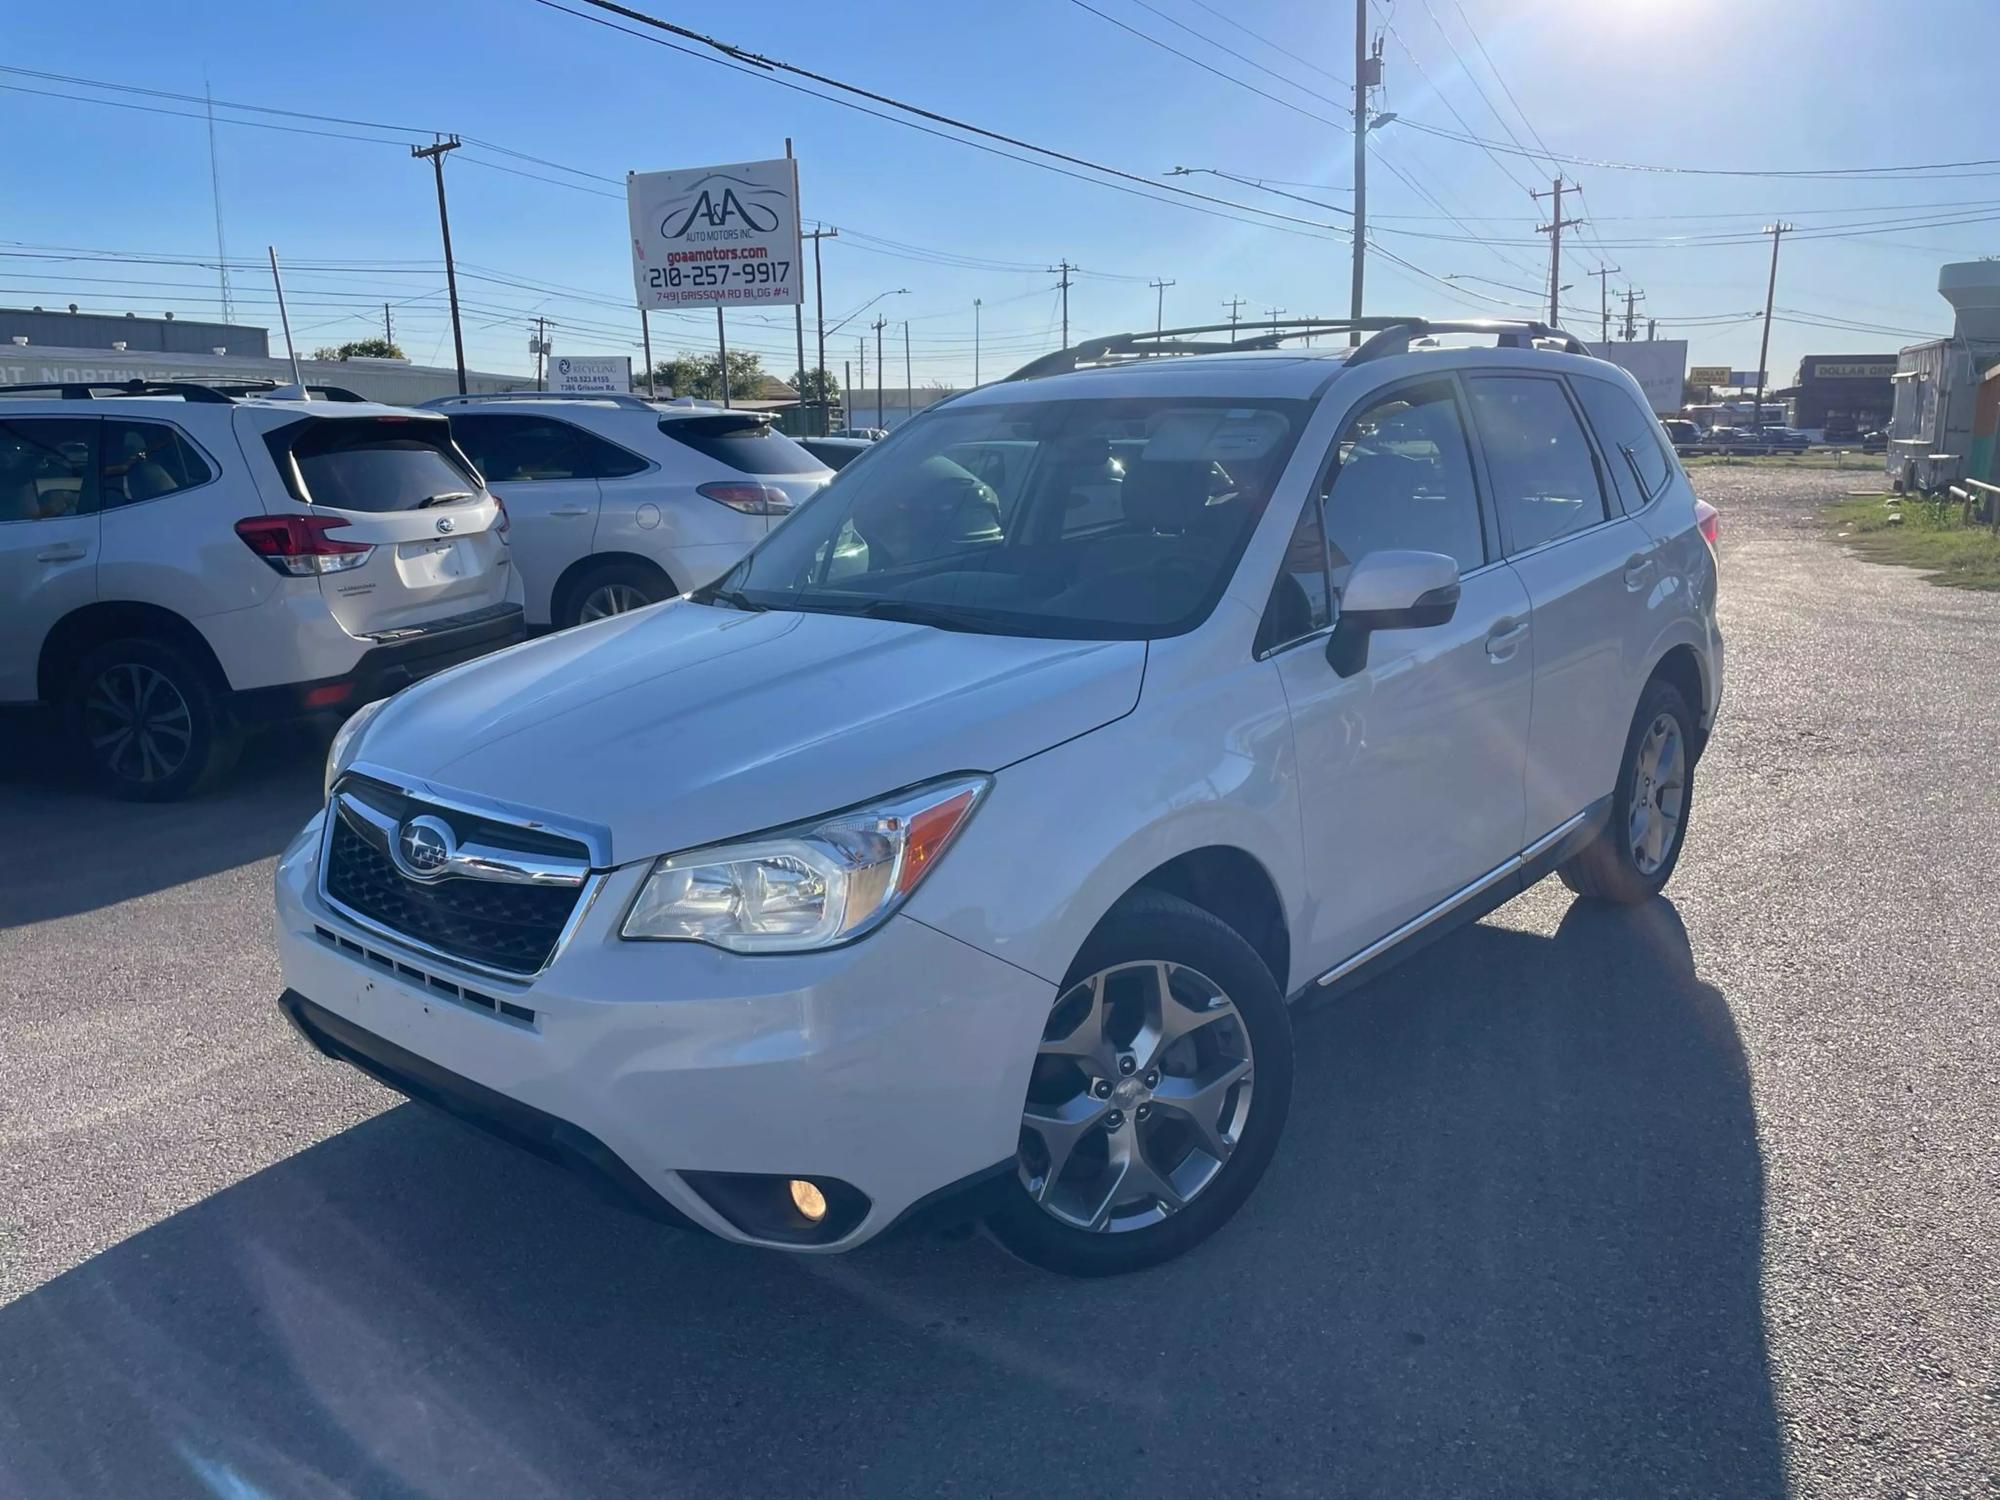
(961, 848)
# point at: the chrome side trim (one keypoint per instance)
(470, 861)
(1455, 900)
(1553, 837)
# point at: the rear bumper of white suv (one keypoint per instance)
(689, 1082)
(386, 664)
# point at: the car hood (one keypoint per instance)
(685, 724)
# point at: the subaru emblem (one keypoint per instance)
(424, 847)
(444, 523)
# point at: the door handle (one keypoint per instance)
(1505, 638)
(64, 552)
(1638, 568)
(571, 510)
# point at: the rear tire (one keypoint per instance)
(1170, 1005)
(1631, 860)
(612, 588)
(147, 720)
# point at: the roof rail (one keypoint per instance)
(616, 398)
(1386, 336)
(266, 387)
(86, 390)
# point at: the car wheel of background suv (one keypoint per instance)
(612, 588)
(1157, 1098)
(146, 719)
(1631, 860)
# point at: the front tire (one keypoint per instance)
(1633, 858)
(148, 721)
(1159, 1092)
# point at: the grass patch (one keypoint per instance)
(1812, 458)
(1929, 535)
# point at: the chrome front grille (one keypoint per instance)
(467, 886)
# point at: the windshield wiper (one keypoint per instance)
(448, 497)
(734, 598)
(937, 616)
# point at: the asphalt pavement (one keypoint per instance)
(1700, 1199)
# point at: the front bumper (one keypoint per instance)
(896, 1065)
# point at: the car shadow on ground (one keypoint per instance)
(1510, 1246)
(74, 849)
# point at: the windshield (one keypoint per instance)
(1106, 520)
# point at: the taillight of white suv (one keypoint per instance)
(300, 546)
(751, 499)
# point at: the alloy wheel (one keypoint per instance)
(137, 723)
(1659, 787)
(1140, 1093)
(609, 599)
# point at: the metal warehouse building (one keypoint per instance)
(1843, 395)
(70, 329)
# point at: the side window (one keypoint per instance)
(1629, 438)
(517, 450)
(48, 468)
(145, 460)
(599, 458)
(1545, 480)
(1301, 599)
(1403, 479)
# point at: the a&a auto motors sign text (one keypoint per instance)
(716, 236)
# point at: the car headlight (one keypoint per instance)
(812, 886)
(346, 741)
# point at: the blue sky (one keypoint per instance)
(1840, 83)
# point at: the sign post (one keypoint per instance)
(717, 237)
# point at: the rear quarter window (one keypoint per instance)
(746, 444)
(369, 463)
(1631, 439)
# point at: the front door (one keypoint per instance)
(1410, 770)
(542, 471)
(48, 538)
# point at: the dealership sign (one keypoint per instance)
(1657, 364)
(591, 374)
(716, 236)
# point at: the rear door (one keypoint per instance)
(547, 472)
(1587, 568)
(48, 537)
(394, 483)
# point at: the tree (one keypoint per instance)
(361, 349)
(816, 385)
(700, 376)
(1696, 395)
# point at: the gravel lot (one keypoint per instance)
(1702, 1199)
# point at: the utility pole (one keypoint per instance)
(541, 348)
(1233, 304)
(722, 353)
(1274, 313)
(215, 192)
(1652, 329)
(861, 343)
(1160, 304)
(435, 154)
(909, 384)
(1631, 324)
(880, 324)
(819, 291)
(847, 387)
(1065, 268)
(1554, 230)
(1777, 232)
(1361, 82)
(976, 303)
(799, 307)
(388, 326)
(1603, 305)
(646, 342)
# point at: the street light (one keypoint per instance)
(899, 291)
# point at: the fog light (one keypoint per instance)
(808, 1200)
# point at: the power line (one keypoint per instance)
(1241, 83)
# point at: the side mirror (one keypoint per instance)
(1390, 591)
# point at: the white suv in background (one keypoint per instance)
(972, 835)
(178, 565)
(619, 502)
